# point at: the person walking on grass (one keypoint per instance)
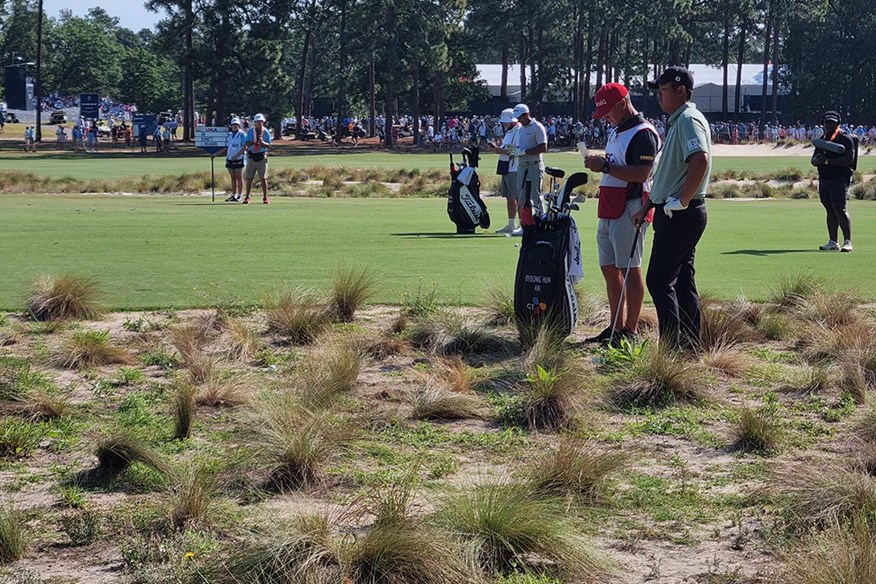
(834, 177)
(257, 142)
(678, 192)
(629, 157)
(29, 144)
(235, 159)
(507, 167)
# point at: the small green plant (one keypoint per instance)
(159, 358)
(13, 533)
(64, 297)
(621, 356)
(71, 496)
(549, 399)
(82, 526)
(351, 289)
(127, 376)
(17, 438)
(421, 302)
(137, 325)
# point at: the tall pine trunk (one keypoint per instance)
(775, 75)
(188, 74)
(766, 66)
(503, 89)
(725, 65)
(740, 60)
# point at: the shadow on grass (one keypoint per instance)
(767, 252)
(442, 235)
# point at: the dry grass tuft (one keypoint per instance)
(506, 527)
(825, 492)
(13, 533)
(499, 306)
(431, 402)
(457, 375)
(189, 340)
(722, 327)
(845, 553)
(453, 333)
(332, 370)
(745, 310)
(593, 310)
(864, 423)
(241, 341)
(832, 309)
(727, 359)
(297, 315)
(192, 495)
(551, 399)
(64, 297)
(810, 379)
(183, 411)
(220, 392)
(658, 377)
(578, 468)
(91, 348)
(756, 431)
(388, 345)
(116, 453)
(351, 289)
(793, 290)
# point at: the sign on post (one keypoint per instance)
(212, 140)
(89, 106)
(146, 121)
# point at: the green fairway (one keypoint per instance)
(152, 252)
(111, 165)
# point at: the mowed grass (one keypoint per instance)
(119, 163)
(156, 252)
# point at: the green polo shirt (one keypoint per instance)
(688, 134)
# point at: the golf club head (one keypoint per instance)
(555, 172)
(829, 146)
(574, 181)
(579, 198)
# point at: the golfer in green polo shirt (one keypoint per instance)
(678, 192)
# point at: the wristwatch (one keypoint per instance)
(606, 167)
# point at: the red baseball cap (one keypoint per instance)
(607, 97)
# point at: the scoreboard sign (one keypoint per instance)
(211, 139)
(89, 106)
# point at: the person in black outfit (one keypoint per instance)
(834, 176)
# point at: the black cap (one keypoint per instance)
(831, 116)
(678, 75)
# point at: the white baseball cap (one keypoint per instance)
(507, 116)
(235, 121)
(520, 109)
(259, 118)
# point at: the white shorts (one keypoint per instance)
(614, 238)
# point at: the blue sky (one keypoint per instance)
(131, 13)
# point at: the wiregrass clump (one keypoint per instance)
(193, 495)
(64, 297)
(183, 411)
(550, 399)
(332, 371)
(91, 348)
(756, 431)
(506, 527)
(452, 333)
(431, 402)
(13, 533)
(576, 468)
(844, 553)
(115, 454)
(658, 376)
(351, 289)
(792, 290)
(499, 306)
(297, 315)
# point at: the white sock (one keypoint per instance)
(511, 223)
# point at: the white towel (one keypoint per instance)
(465, 175)
(575, 265)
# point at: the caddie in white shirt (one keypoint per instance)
(529, 151)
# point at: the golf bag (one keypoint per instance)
(548, 268)
(464, 204)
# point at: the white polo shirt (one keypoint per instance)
(234, 142)
(530, 136)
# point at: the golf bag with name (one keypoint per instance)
(548, 268)
(464, 204)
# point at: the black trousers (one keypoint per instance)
(670, 276)
(834, 195)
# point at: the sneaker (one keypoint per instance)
(232, 199)
(829, 246)
(847, 246)
(601, 337)
(506, 229)
(246, 201)
(517, 232)
(622, 334)
(266, 201)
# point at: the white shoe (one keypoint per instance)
(518, 231)
(847, 246)
(506, 229)
(829, 246)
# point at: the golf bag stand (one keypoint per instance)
(464, 204)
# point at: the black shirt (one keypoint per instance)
(642, 149)
(829, 171)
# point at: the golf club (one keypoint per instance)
(620, 301)
(829, 146)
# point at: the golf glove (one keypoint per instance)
(517, 151)
(673, 204)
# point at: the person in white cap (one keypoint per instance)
(257, 142)
(529, 151)
(235, 158)
(507, 167)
